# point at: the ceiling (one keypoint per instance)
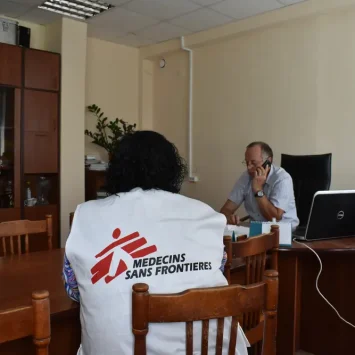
(142, 22)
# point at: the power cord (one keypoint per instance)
(319, 273)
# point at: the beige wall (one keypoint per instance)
(38, 33)
(112, 84)
(286, 77)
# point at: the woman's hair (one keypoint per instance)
(145, 159)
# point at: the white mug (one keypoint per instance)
(30, 202)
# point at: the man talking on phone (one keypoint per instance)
(265, 189)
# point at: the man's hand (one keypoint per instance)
(228, 210)
(259, 179)
(233, 219)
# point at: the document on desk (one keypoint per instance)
(285, 235)
(238, 230)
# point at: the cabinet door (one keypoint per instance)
(40, 132)
(10, 142)
(10, 65)
(42, 70)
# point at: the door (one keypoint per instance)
(40, 132)
(10, 65)
(42, 70)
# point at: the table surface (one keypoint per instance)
(22, 274)
(330, 245)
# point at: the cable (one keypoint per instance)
(319, 273)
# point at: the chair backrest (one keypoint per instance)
(253, 251)
(13, 231)
(204, 304)
(32, 320)
(310, 173)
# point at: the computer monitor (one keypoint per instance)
(332, 215)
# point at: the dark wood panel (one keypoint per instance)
(288, 312)
(94, 181)
(18, 278)
(41, 111)
(35, 213)
(40, 153)
(322, 332)
(42, 70)
(10, 65)
(17, 153)
(40, 132)
(9, 214)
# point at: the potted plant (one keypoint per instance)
(108, 133)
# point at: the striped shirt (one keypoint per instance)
(278, 189)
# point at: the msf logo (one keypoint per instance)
(340, 215)
(131, 244)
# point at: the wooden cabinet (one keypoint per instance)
(42, 70)
(94, 182)
(40, 132)
(10, 65)
(29, 137)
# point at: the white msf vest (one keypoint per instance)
(166, 240)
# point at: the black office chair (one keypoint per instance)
(310, 173)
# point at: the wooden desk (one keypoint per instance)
(19, 276)
(305, 321)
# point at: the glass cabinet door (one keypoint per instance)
(7, 147)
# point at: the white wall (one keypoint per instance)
(112, 84)
(286, 77)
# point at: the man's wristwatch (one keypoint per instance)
(259, 193)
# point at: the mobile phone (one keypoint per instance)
(266, 163)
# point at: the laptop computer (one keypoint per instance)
(332, 215)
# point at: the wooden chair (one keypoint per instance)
(32, 320)
(253, 251)
(15, 229)
(205, 304)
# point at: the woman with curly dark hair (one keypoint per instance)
(143, 232)
(146, 160)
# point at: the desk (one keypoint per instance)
(305, 321)
(19, 276)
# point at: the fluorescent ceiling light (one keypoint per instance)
(80, 9)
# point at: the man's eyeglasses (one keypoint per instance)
(252, 163)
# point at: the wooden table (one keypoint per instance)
(19, 276)
(305, 321)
